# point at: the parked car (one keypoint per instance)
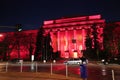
(77, 61)
(104, 61)
(15, 60)
(114, 60)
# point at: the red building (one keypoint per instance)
(68, 34)
(68, 37)
(18, 44)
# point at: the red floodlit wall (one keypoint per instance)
(68, 35)
(25, 40)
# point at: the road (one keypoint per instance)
(94, 71)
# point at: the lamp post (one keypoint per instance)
(19, 29)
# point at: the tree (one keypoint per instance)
(96, 44)
(23, 41)
(48, 48)
(30, 45)
(111, 40)
(6, 46)
(88, 44)
(39, 44)
(3, 50)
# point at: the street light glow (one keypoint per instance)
(1, 35)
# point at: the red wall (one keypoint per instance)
(69, 34)
(24, 38)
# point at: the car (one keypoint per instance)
(76, 61)
(104, 61)
(114, 60)
(16, 60)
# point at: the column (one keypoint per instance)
(83, 39)
(66, 44)
(58, 39)
(66, 41)
(74, 37)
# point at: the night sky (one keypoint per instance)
(32, 13)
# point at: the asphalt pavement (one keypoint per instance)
(33, 76)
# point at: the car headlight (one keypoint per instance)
(103, 60)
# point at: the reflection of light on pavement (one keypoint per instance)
(2, 67)
(75, 70)
(103, 70)
(58, 67)
(32, 66)
(78, 71)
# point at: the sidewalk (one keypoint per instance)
(33, 76)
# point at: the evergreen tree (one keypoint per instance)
(39, 44)
(5, 50)
(48, 48)
(112, 40)
(88, 44)
(95, 41)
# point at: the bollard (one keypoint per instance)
(113, 75)
(83, 71)
(7, 67)
(103, 70)
(51, 69)
(66, 71)
(36, 66)
(32, 67)
(21, 68)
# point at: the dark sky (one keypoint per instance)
(32, 13)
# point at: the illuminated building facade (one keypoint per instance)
(68, 37)
(18, 44)
(69, 34)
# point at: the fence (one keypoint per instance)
(34, 67)
(56, 68)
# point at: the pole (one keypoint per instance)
(7, 67)
(21, 68)
(51, 69)
(66, 71)
(18, 49)
(36, 66)
(113, 75)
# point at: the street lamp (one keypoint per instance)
(19, 27)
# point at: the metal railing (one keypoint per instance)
(52, 68)
(32, 67)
